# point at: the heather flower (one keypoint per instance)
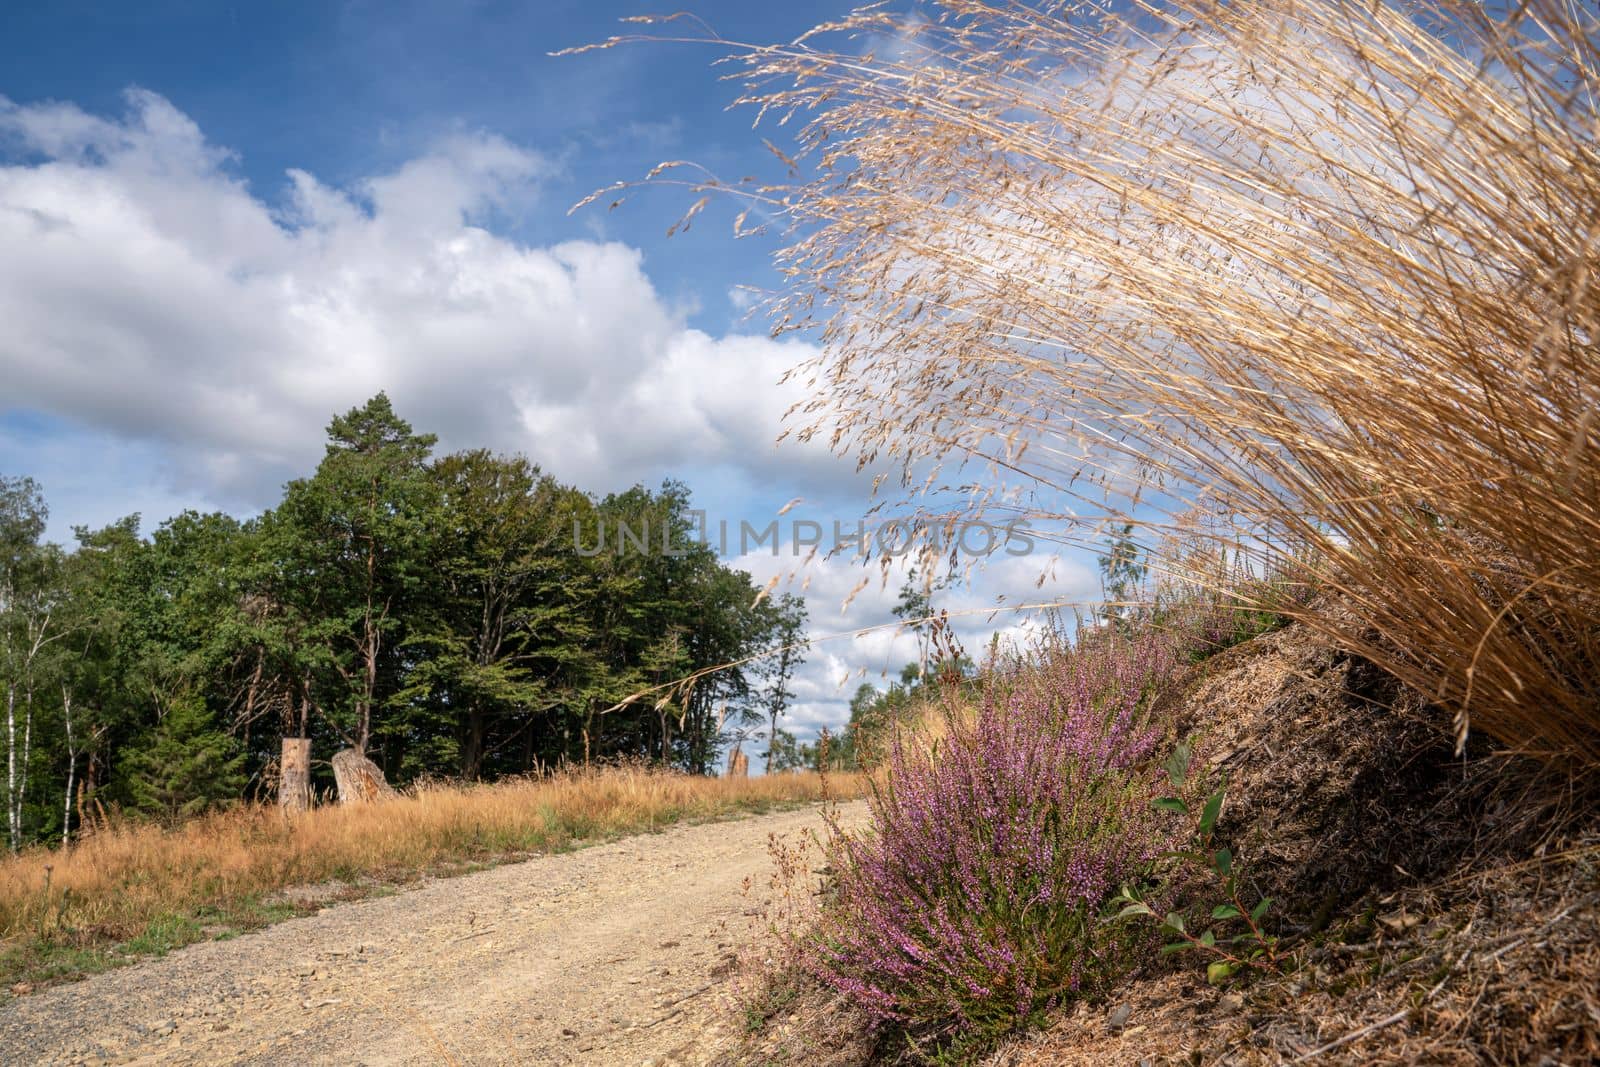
(974, 900)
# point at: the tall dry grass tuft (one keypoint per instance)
(118, 881)
(1326, 270)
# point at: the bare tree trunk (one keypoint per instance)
(27, 751)
(472, 750)
(371, 647)
(369, 678)
(254, 688)
(91, 774)
(72, 767)
(294, 775)
(13, 813)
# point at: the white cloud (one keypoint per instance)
(860, 642)
(148, 292)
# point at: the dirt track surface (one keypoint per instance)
(613, 954)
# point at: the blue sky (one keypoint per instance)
(349, 90)
(222, 222)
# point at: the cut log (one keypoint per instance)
(294, 774)
(359, 779)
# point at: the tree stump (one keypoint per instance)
(294, 774)
(359, 779)
(738, 764)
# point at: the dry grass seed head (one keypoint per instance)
(1326, 270)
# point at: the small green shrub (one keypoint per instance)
(1230, 932)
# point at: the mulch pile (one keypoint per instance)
(1443, 909)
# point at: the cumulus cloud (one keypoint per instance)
(147, 292)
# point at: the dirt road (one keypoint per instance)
(607, 955)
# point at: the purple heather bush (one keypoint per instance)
(974, 903)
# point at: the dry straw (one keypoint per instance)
(1326, 270)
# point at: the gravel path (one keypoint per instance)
(607, 955)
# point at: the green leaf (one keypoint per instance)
(1176, 946)
(1174, 921)
(1177, 765)
(1134, 909)
(1213, 808)
(1225, 911)
(1219, 971)
(1171, 804)
(1223, 861)
(1260, 909)
(1208, 939)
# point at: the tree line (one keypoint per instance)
(440, 615)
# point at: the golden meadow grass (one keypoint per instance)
(1320, 271)
(155, 888)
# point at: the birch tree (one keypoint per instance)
(28, 602)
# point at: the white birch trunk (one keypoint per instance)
(11, 765)
(27, 753)
(72, 767)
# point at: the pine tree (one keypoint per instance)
(188, 767)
